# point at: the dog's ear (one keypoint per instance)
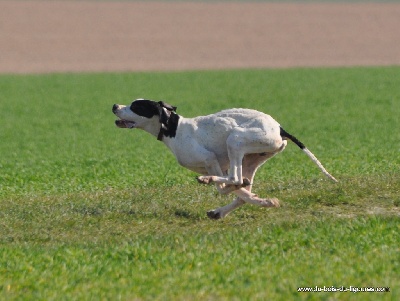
(164, 115)
(165, 112)
(167, 106)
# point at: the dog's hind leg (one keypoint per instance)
(251, 163)
(224, 211)
(252, 198)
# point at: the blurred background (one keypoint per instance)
(65, 36)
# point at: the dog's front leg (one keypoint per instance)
(224, 211)
(214, 172)
(235, 154)
(220, 182)
(233, 181)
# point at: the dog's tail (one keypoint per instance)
(286, 135)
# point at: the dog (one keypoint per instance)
(225, 148)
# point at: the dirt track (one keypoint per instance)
(53, 36)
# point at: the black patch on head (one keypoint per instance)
(145, 108)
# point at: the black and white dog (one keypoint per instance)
(226, 148)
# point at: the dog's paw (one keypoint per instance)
(204, 179)
(214, 214)
(246, 182)
(273, 202)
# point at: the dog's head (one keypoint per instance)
(142, 112)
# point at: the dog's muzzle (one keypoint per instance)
(121, 123)
(124, 124)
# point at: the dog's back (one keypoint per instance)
(231, 118)
(212, 131)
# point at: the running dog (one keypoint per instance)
(225, 148)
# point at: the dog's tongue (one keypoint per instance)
(124, 124)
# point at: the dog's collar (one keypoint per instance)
(168, 120)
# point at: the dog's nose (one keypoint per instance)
(115, 108)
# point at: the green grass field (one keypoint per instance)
(92, 212)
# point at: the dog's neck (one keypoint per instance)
(169, 127)
(164, 129)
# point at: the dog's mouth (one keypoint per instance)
(125, 124)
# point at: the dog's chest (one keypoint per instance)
(196, 139)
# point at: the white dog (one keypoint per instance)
(226, 148)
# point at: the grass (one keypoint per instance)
(89, 211)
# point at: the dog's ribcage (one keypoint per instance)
(212, 131)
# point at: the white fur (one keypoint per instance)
(226, 148)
